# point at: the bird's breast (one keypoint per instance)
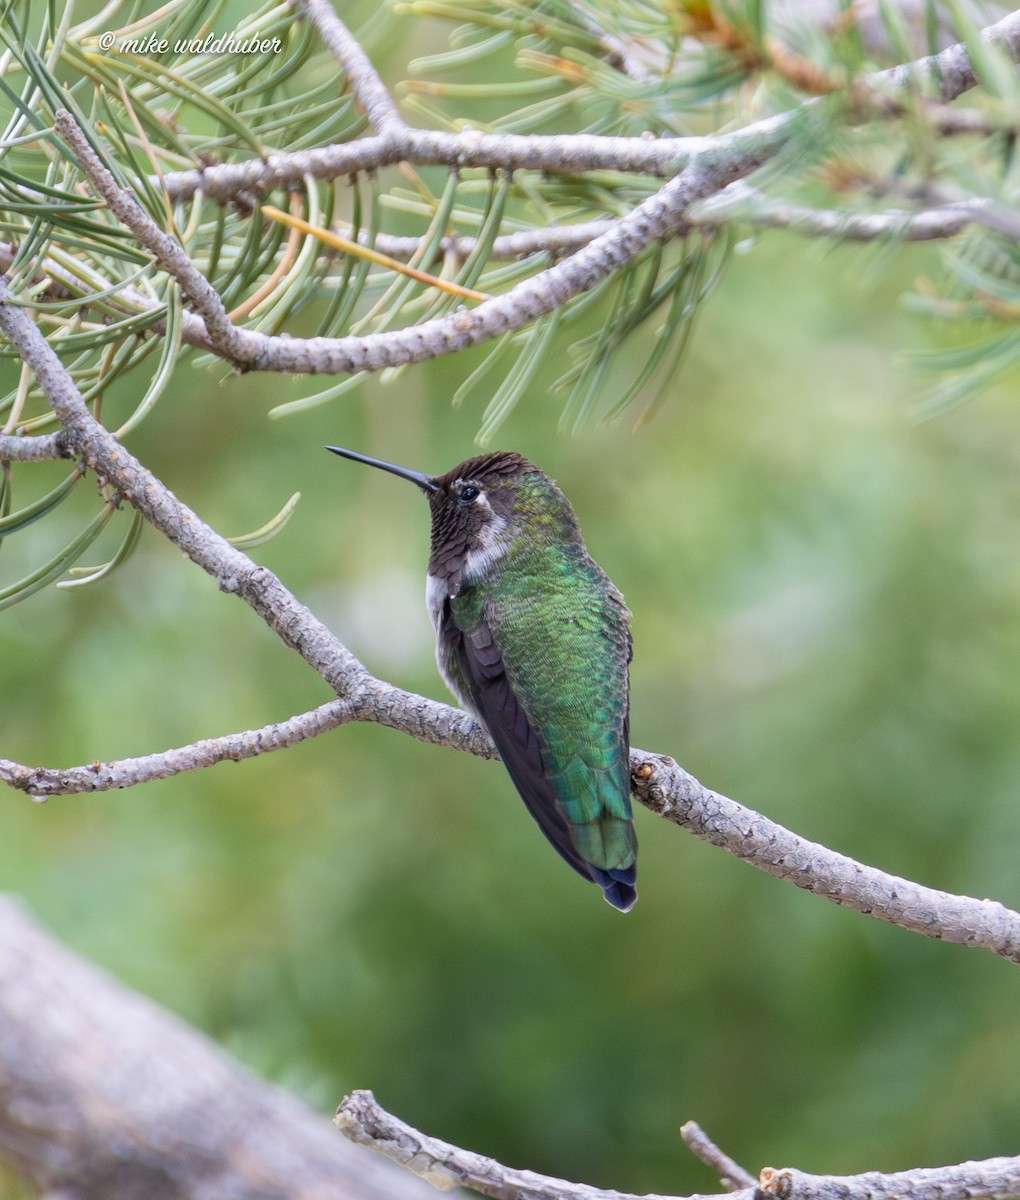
(437, 592)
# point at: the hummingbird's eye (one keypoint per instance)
(468, 494)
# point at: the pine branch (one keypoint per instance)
(565, 154)
(946, 75)
(699, 194)
(706, 167)
(747, 205)
(233, 571)
(40, 782)
(169, 253)
(658, 217)
(554, 240)
(738, 203)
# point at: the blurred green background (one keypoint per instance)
(826, 605)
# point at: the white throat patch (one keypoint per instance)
(492, 548)
(477, 563)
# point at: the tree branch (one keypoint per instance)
(371, 701)
(41, 782)
(704, 187)
(990, 1179)
(739, 202)
(706, 166)
(360, 1119)
(667, 789)
(363, 1121)
(656, 218)
(567, 154)
(233, 570)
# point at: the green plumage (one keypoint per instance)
(561, 627)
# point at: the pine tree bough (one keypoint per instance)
(702, 167)
(948, 75)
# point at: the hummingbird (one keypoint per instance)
(533, 639)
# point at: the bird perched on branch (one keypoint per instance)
(532, 638)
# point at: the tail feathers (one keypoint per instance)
(617, 886)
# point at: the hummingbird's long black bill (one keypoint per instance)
(425, 482)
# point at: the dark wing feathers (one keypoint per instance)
(481, 667)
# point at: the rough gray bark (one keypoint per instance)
(106, 1096)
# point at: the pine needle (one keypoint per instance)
(328, 238)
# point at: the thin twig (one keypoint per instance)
(731, 1174)
(170, 254)
(739, 202)
(15, 448)
(41, 782)
(742, 203)
(364, 79)
(524, 243)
